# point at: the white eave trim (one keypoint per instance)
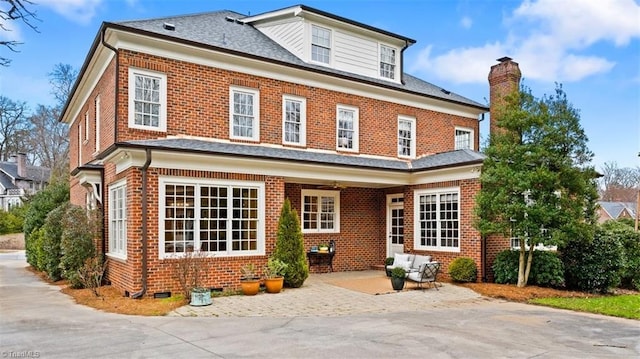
(264, 68)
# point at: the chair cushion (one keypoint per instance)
(418, 261)
(406, 265)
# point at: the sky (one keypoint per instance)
(590, 47)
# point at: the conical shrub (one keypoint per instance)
(290, 247)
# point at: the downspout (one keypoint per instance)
(115, 100)
(143, 169)
(104, 230)
(406, 45)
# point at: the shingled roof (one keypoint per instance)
(220, 31)
(435, 161)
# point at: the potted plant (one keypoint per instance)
(274, 273)
(387, 262)
(249, 280)
(188, 270)
(398, 275)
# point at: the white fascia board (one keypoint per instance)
(96, 68)
(264, 68)
(272, 15)
(446, 174)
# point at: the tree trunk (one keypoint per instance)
(522, 278)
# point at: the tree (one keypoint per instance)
(49, 141)
(11, 10)
(290, 247)
(62, 79)
(537, 183)
(14, 126)
(619, 184)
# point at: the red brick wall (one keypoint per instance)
(224, 271)
(198, 105)
(470, 241)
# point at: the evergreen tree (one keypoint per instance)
(290, 247)
(537, 181)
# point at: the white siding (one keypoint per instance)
(289, 35)
(355, 54)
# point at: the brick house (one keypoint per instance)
(190, 131)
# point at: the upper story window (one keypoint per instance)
(464, 139)
(294, 120)
(320, 211)
(97, 132)
(86, 127)
(438, 224)
(347, 128)
(147, 100)
(320, 44)
(244, 113)
(387, 62)
(406, 137)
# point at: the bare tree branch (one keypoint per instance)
(12, 10)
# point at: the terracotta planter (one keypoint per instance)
(250, 286)
(274, 285)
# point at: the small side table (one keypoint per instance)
(321, 259)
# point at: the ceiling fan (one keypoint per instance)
(334, 185)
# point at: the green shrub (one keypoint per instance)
(53, 227)
(40, 255)
(290, 247)
(398, 272)
(546, 268)
(77, 243)
(12, 221)
(630, 240)
(463, 269)
(593, 264)
(38, 208)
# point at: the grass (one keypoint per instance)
(624, 306)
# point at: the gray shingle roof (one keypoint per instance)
(34, 173)
(440, 160)
(6, 182)
(615, 208)
(214, 30)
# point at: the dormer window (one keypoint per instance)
(387, 62)
(320, 44)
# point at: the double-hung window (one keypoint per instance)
(387, 62)
(464, 139)
(406, 137)
(294, 120)
(347, 128)
(320, 211)
(118, 219)
(437, 225)
(244, 114)
(220, 217)
(320, 44)
(147, 100)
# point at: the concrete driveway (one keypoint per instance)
(36, 320)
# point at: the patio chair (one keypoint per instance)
(427, 274)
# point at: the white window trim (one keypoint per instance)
(79, 144)
(412, 148)
(86, 128)
(331, 45)
(163, 181)
(321, 193)
(111, 253)
(356, 128)
(472, 135)
(395, 65)
(162, 121)
(256, 113)
(303, 119)
(97, 132)
(416, 221)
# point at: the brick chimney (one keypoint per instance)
(21, 160)
(504, 78)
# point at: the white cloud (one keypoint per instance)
(80, 11)
(550, 39)
(9, 31)
(466, 22)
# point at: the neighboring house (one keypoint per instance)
(615, 210)
(18, 179)
(190, 132)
